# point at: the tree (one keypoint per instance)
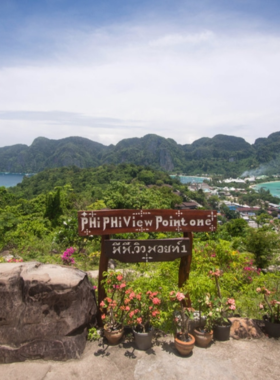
(213, 201)
(53, 207)
(237, 227)
(261, 243)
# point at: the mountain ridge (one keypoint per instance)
(221, 154)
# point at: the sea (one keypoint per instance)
(190, 179)
(12, 179)
(273, 187)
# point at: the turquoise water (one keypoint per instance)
(11, 179)
(188, 179)
(273, 187)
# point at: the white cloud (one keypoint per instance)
(181, 39)
(128, 81)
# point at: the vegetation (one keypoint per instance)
(38, 221)
(226, 155)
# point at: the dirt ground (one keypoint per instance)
(234, 359)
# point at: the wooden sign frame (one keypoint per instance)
(107, 222)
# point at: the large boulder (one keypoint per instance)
(243, 328)
(44, 311)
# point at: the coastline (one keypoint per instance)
(275, 192)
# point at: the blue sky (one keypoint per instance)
(109, 70)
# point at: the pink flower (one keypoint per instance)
(103, 316)
(131, 314)
(139, 320)
(119, 277)
(123, 285)
(102, 304)
(231, 301)
(156, 301)
(132, 295)
(217, 273)
(180, 296)
(127, 308)
(232, 307)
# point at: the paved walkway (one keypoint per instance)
(232, 360)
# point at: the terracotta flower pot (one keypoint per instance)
(184, 348)
(203, 338)
(113, 336)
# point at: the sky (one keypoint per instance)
(108, 70)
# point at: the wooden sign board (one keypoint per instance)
(135, 251)
(105, 222)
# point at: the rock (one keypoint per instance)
(112, 264)
(242, 328)
(272, 269)
(44, 310)
(6, 255)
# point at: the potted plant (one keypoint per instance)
(114, 307)
(184, 341)
(204, 332)
(143, 315)
(221, 309)
(271, 309)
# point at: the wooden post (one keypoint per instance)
(185, 266)
(103, 267)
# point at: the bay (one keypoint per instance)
(189, 179)
(273, 187)
(11, 179)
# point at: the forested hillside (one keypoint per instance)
(38, 221)
(221, 154)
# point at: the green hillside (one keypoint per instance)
(222, 154)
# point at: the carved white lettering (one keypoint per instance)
(106, 221)
(184, 223)
(84, 222)
(148, 222)
(116, 250)
(139, 223)
(158, 220)
(165, 223)
(114, 222)
(126, 220)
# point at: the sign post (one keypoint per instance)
(107, 222)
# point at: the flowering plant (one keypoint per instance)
(14, 260)
(220, 306)
(67, 258)
(115, 306)
(270, 307)
(206, 308)
(144, 309)
(182, 315)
